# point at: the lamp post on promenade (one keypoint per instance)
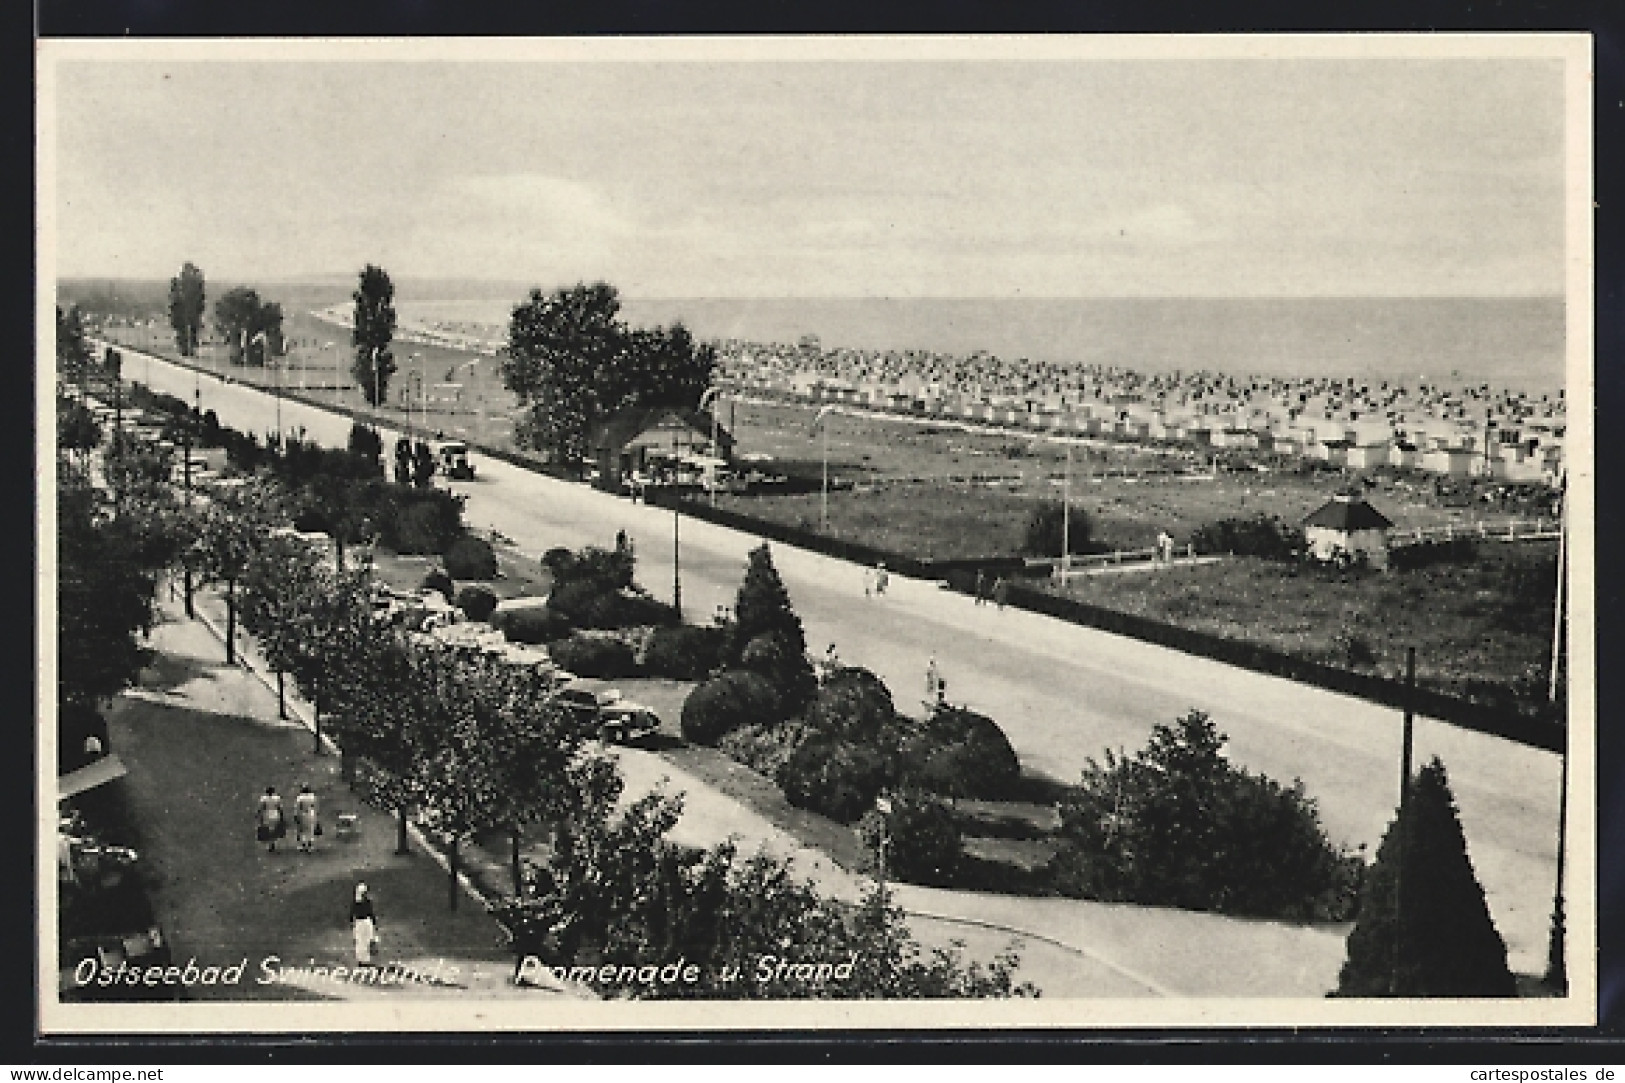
(823, 495)
(676, 558)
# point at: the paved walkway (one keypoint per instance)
(201, 741)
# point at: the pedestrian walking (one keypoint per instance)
(307, 823)
(881, 578)
(868, 582)
(269, 822)
(932, 678)
(363, 926)
(1001, 592)
(981, 587)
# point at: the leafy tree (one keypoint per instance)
(1179, 825)
(72, 350)
(334, 647)
(186, 308)
(106, 586)
(767, 627)
(233, 525)
(1446, 945)
(76, 427)
(373, 330)
(662, 367)
(1049, 521)
(560, 347)
(615, 890)
(282, 579)
(252, 325)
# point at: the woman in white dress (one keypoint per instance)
(306, 822)
(363, 926)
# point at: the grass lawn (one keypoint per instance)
(1488, 620)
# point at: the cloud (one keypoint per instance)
(544, 208)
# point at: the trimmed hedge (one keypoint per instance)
(727, 702)
(684, 652)
(477, 602)
(470, 557)
(534, 625)
(960, 753)
(595, 656)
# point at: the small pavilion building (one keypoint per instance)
(1347, 524)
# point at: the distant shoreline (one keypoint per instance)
(1513, 343)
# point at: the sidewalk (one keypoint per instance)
(202, 741)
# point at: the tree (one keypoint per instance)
(662, 367)
(252, 326)
(1046, 525)
(560, 348)
(72, 350)
(106, 585)
(959, 753)
(76, 427)
(186, 308)
(1179, 825)
(232, 526)
(766, 635)
(373, 330)
(615, 890)
(280, 582)
(368, 448)
(1446, 945)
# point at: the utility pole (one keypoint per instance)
(676, 558)
(1066, 517)
(823, 494)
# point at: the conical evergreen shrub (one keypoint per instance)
(1447, 945)
(766, 635)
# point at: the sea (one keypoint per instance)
(1513, 343)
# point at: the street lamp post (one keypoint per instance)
(1066, 518)
(1557, 974)
(676, 558)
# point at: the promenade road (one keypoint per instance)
(1062, 693)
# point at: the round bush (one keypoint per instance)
(477, 602)
(960, 753)
(723, 704)
(595, 656)
(684, 653)
(471, 558)
(836, 778)
(533, 624)
(439, 580)
(853, 704)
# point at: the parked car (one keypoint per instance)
(616, 718)
(624, 720)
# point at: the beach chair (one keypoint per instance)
(346, 825)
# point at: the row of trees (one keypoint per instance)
(249, 324)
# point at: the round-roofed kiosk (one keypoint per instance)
(1346, 527)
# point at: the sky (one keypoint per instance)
(823, 178)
